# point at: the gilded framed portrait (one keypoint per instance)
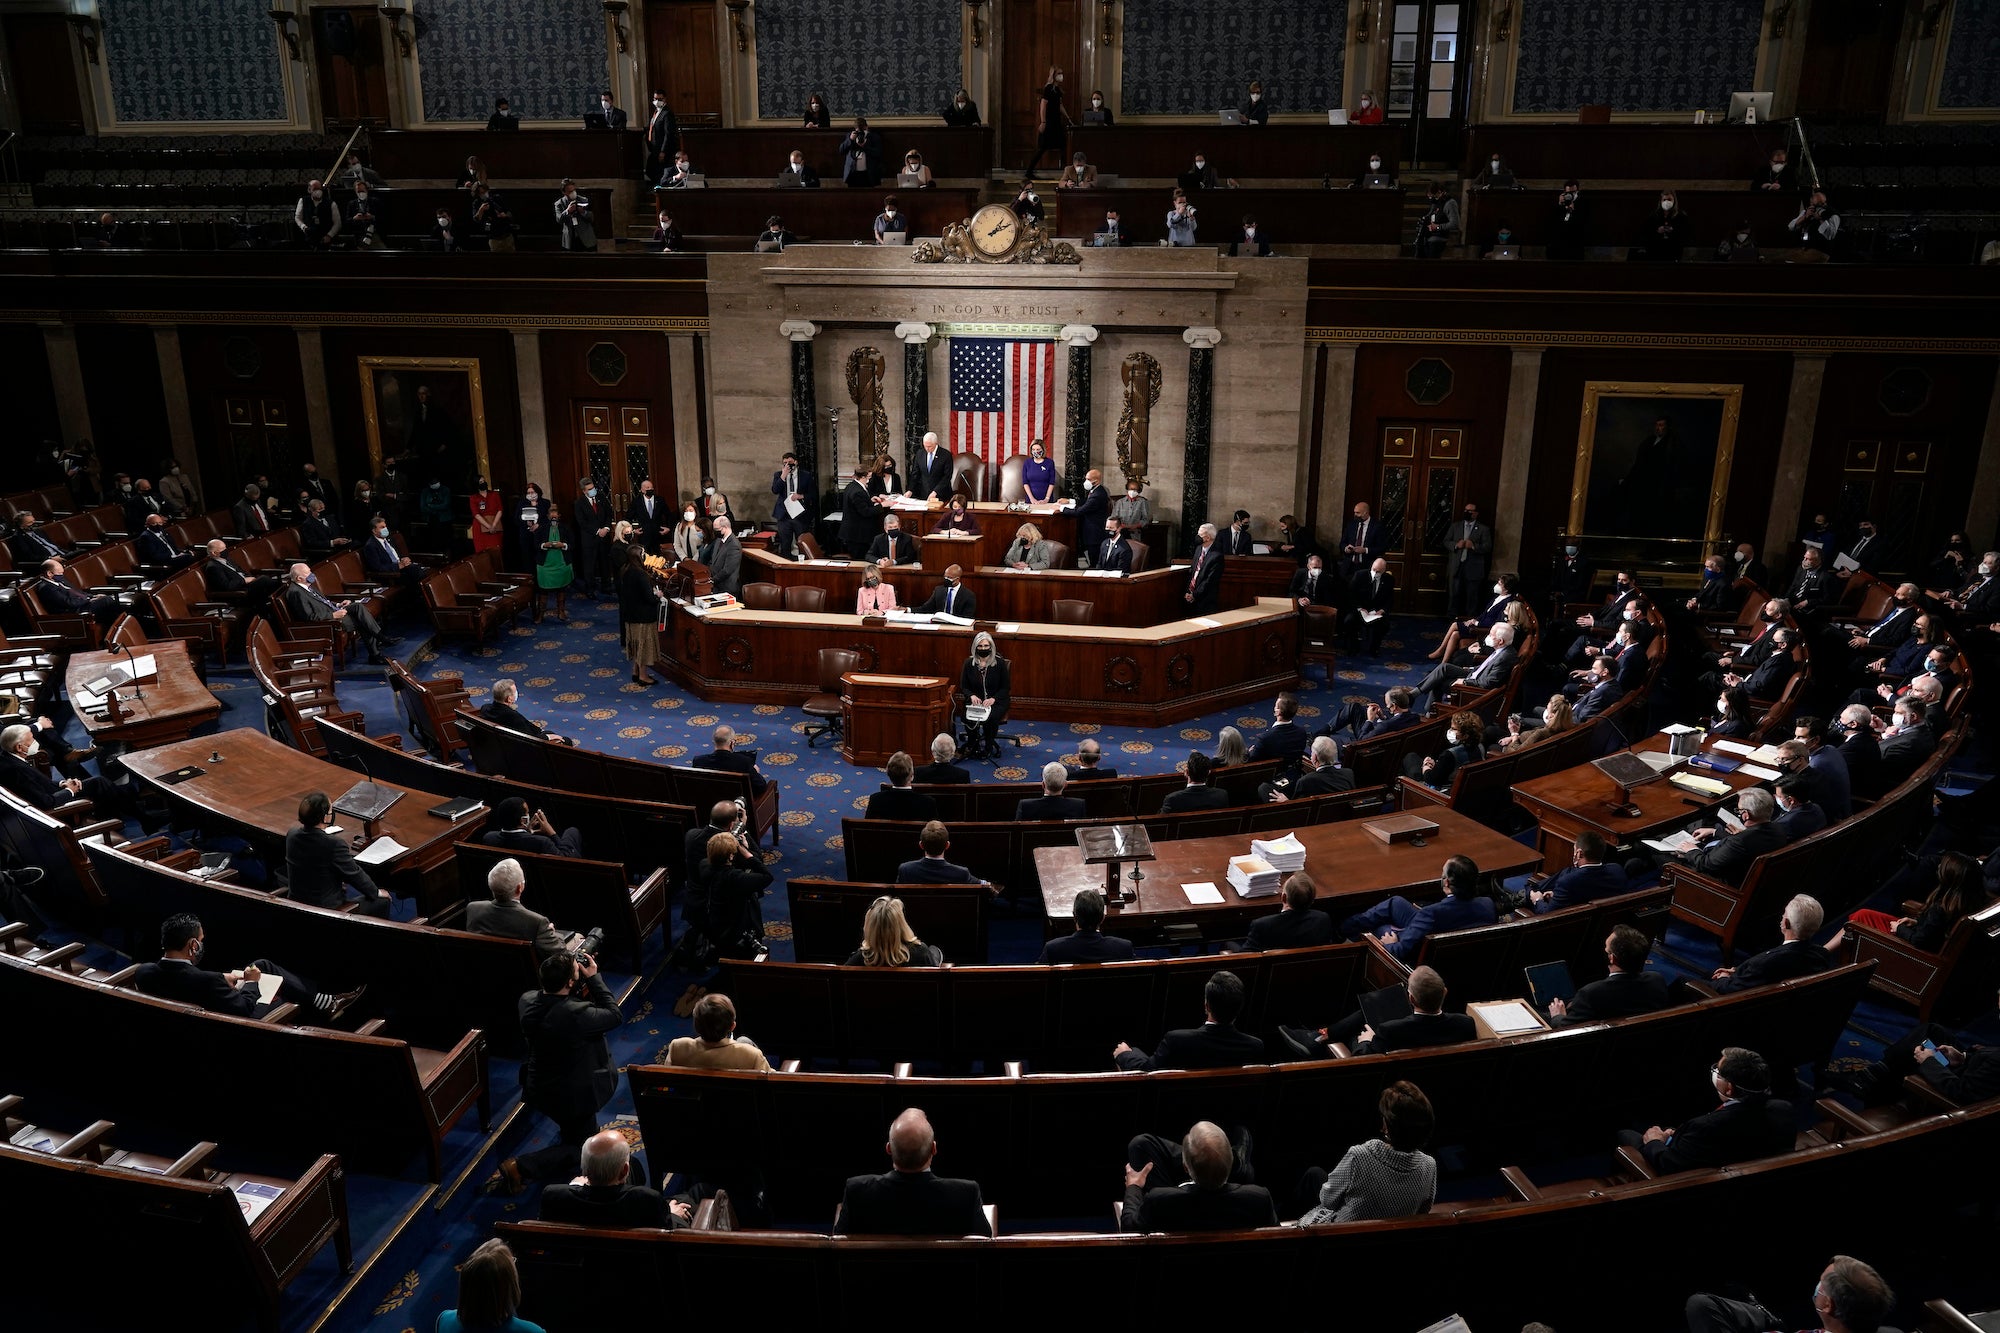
(1653, 460)
(430, 410)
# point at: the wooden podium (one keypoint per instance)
(883, 714)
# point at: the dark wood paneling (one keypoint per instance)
(1284, 217)
(1478, 401)
(1622, 217)
(763, 152)
(213, 358)
(43, 63)
(1339, 151)
(1622, 152)
(567, 382)
(128, 410)
(347, 57)
(545, 155)
(31, 393)
(680, 56)
(833, 214)
(410, 213)
(493, 348)
(1036, 34)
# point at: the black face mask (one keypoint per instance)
(1767, 617)
(986, 652)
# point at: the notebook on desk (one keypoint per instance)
(367, 800)
(1550, 981)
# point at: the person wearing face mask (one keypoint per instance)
(1181, 221)
(892, 546)
(572, 208)
(1716, 596)
(1948, 570)
(1437, 225)
(591, 546)
(1604, 620)
(678, 172)
(177, 489)
(1237, 538)
(875, 595)
(1256, 111)
(1571, 578)
(503, 118)
(179, 976)
(1093, 506)
(488, 516)
(1038, 475)
(1464, 743)
(548, 555)
(915, 175)
(1468, 547)
(624, 541)
(797, 175)
(1778, 178)
(1028, 204)
(1768, 680)
(1051, 120)
(1664, 232)
(444, 234)
(958, 519)
(1867, 549)
(816, 116)
(1028, 551)
(961, 112)
(1978, 602)
(1402, 926)
(25, 779)
(1897, 622)
(1079, 174)
(985, 680)
(860, 519)
(666, 237)
(1368, 112)
(891, 222)
(1523, 731)
(1750, 1122)
(361, 218)
(1486, 665)
(792, 487)
(1748, 566)
(648, 515)
(1740, 246)
(492, 220)
(776, 235)
(1813, 588)
(1099, 110)
(724, 558)
(1503, 246)
(315, 216)
(1506, 590)
(714, 504)
(1201, 176)
(861, 156)
(951, 598)
(1880, 677)
(1813, 231)
(689, 535)
(608, 116)
(1113, 552)
(884, 485)
(1250, 242)
(1132, 511)
(1495, 175)
(1907, 741)
(1568, 223)
(1377, 175)
(434, 508)
(381, 557)
(663, 134)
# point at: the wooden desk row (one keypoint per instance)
(1622, 217)
(514, 155)
(410, 212)
(831, 215)
(1241, 151)
(1626, 152)
(951, 153)
(1284, 217)
(1131, 677)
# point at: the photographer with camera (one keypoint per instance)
(568, 1075)
(507, 918)
(730, 884)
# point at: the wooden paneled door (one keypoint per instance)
(1038, 34)
(619, 452)
(1421, 483)
(47, 95)
(1430, 66)
(1883, 480)
(681, 58)
(257, 437)
(347, 63)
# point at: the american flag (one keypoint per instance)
(1002, 397)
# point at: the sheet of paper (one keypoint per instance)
(1699, 785)
(1260, 548)
(1006, 628)
(1845, 563)
(1206, 623)
(1761, 773)
(1202, 894)
(1510, 1016)
(795, 507)
(1735, 747)
(383, 849)
(267, 987)
(1729, 820)
(1766, 754)
(1817, 546)
(1676, 729)
(253, 1197)
(1372, 616)
(1679, 842)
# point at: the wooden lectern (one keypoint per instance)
(884, 714)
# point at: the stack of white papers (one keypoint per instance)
(1509, 1017)
(1286, 854)
(1703, 786)
(1677, 842)
(1206, 623)
(1735, 747)
(1201, 895)
(1766, 754)
(1252, 876)
(1759, 772)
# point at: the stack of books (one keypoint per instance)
(1285, 855)
(1253, 876)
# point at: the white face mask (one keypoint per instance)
(1716, 1079)
(1490, 643)
(1495, 164)
(1131, 493)
(1199, 164)
(1367, 102)
(688, 515)
(889, 212)
(1630, 614)
(1256, 97)
(1097, 101)
(1451, 736)
(1985, 569)
(708, 490)
(1721, 707)
(1499, 589)
(1374, 164)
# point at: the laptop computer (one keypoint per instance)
(1502, 180)
(695, 181)
(895, 238)
(1105, 238)
(1378, 180)
(1505, 252)
(1094, 116)
(594, 120)
(1229, 115)
(1336, 116)
(770, 247)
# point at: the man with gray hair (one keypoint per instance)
(1861, 751)
(1795, 956)
(1052, 804)
(724, 758)
(19, 775)
(1088, 766)
(908, 1200)
(1211, 1202)
(612, 1191)
(1485, 666)
(1204, 589)
(940, 769)
(724, 558)
(1851, 1298)
(501, 710)
(506, 917)
(306, 602)
(1728, 856)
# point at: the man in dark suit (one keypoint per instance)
(155, 547)
(860, 517)
(1114, 552)
(317, 863)
(1362, 540)
(663, 135)
(725, 758)
(29, 545)
(1284, 740)
(1088, 767)
(252, 518)
(722, 817)
(568, 1074)
(219, 576)
(1768, 680)
(1093, 507)
(614, 115)
(1208, 1201)
(1572, 578)
(306, 602)
(1237, 539)
(951, 597)
(1204, 588)
(790, 483)
(593, 517)
(1861, 752)
(931, 478)
(1298, 925)
(501, 710)
(1627, 989)
(178, 976)
(1470, 545)
(1402, 926)
(897, 801)
(647, 513)
(1833, 788)
(1394, 713)
(1799, 815)
(20, 775)
(1748, 566)
(1051, 804)
(1372, 590)
(1604, 690)
(1906, 743)
(1216, 1044)
(1587, 879)
(1496, 662)
(1320, 773)
(724, 558)
(504, 916)
(1728, 856)
(1198, 794)
(1961, 1069)
(1795, 956)
(382, 559)
(893, 546)
(1087, 943)
(1427, 1024)
(59, 596)
(940, 769)
(519, 829)
(319, 534)
(909, 1200)
(934, 867)
(1750, 1123)
(142, 505)
(1313, 586)
(606, 1195)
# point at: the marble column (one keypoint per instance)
(180, 417)
(916, 339)
(1076, 441)
(1982, 513)
(1794, 453)
(1335, 434)
(66, 371)
(682, 349)
(1200, 389)
(1517, 447)
(805, 404)
(534, 412)
(319, 405)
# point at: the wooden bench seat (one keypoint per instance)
(577, 894)
(827, 916)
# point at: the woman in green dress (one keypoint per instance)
(548, 553)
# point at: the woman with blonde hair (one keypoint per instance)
(1028, 551)
(1556, 719)
(1230, 749)
(888, 941)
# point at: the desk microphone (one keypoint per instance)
(131, 665)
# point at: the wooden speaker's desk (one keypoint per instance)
(882, 714)
(1144, 676)
(167, 706)
(1567, 802)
